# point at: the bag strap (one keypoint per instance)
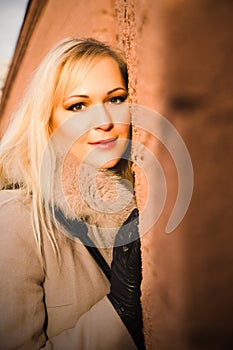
(78, 228)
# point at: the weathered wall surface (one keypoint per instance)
(180, 59)
(187, 289)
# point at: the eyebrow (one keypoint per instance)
(116, 89)
(108, 93)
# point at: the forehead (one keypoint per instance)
(86, 71)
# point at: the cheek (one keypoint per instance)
(123, 124)
(120, 114)
(79, 148)
(56, 119)
(124, 130)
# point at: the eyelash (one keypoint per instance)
(75, 105)
(117, 99)
(113, 100)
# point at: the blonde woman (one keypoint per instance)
(70, 260)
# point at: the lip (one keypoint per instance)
(104, 144)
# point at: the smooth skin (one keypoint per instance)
(101, 118)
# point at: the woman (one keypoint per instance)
(67, 210)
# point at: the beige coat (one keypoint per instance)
(64, 308)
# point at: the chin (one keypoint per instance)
(105, 165)
(110, 165)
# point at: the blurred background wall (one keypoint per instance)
(180, 56)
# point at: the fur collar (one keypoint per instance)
(99, 197)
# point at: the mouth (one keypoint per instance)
(104, 144)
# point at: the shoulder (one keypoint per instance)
(15, 219)
(18, 248)
(15, 208)
(12, 198)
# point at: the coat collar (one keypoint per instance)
(99, 197)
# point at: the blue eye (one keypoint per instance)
(77, 107)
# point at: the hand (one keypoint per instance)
(126, 278)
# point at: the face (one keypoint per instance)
(94, 117)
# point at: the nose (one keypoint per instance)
(103, 118)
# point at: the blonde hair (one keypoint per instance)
(24, 142)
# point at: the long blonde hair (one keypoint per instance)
(22, 147)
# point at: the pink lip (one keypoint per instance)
(104, 144)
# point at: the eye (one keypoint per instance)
(76, 107)
(117, 99)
